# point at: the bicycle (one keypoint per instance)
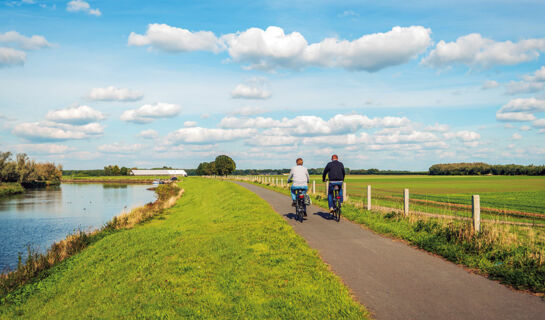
(336, 214)
(300, 205)
(336, 203)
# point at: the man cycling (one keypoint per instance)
(299, 176)
(335, 169)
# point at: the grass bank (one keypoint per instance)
(7, 189)
(515, 255)
(220, 252)
(115, 179)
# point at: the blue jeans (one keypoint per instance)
(293, 188)
(330, 193)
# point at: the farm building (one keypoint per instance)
(159, 173)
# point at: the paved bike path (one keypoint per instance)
(396, 281)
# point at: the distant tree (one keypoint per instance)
(224, 165)
(116, 171)
(124, 171)
(26, 169)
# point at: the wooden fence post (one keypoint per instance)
(313, 186)
(369, 197)
(326, 188)
(476, 209)
(345, 193)
(406, 202)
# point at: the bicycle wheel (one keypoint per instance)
(338, 212)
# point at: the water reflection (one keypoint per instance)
(41, 217)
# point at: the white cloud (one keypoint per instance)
(474, 50)
(117, 147)
(412, 137)
(248, 111)
(538, 76)
(112, 93)
(82, 6)
(266, 140)
(149, 112)
(465, 136)
(172, 39)
(243, 91)
(11, 57)
(517, 87)
(347, 139)
(524, 105)
(189, 124)
(75, 115)
(437, 127)
(539, 123)
(348, 13)
(148, 134)
(516, 136)
(199, 135)
(514, 116)
(525, 128)
(272, 48)
(490, 84)
(51, 131)
(41, 148)
(26, 43)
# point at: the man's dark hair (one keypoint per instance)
(334, 157)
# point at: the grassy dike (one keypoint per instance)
(220, 252)
(512, 254)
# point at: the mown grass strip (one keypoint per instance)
(220, 253)
(515, 255)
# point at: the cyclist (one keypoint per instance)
(299, 176)
(335, 169)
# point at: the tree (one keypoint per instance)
(224, 165)
(124, 171)
(26, 169)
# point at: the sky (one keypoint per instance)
(383, 84)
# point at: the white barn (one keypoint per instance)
(160, 172)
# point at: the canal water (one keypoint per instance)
(41, 217)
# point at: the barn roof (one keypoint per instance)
(137, 172)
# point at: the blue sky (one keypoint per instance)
(383, 84)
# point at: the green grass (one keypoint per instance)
(7, 189)
(220, 253)
(515, 255)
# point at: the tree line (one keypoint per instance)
(28, 172)
(221, 166)
(481, 168)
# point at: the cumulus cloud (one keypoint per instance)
(150, 112)
(52, 131)
(243, 91)
(45, 148)
(346, 140)
(199, 135)
(517, 87)
(148, 134)
(490, 84)
(400, 137)
(313, 125)
(189, 124)
(112, 93)
(539, 123)
(524, 105)
(272, 48)
(26, 43)
(267, 140)
(537, 76)
(248, 111)
(11, 57)
(82, 6)
(516, 136)
(172, 39)
(465, 136)
(514, 116)
(117, 147)
(75, 115)
(474, 50)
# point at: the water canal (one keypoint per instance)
(42, 216)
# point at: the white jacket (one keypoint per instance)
(299, 175)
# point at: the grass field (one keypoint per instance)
(502, 197)
(219, 253)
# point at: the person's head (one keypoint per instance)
(334, 157)
(299, 161)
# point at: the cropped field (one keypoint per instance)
(220, 253)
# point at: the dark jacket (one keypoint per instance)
(336, 171)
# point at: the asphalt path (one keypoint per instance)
(396, 281)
